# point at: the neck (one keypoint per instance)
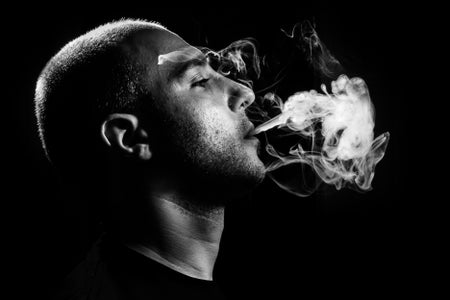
(181, 237)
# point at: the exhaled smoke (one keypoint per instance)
(334, 130)
(340, 126)
(233, 60)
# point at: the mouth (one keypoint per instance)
(250, 132)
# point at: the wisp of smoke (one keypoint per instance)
(339, 125)
(316, 53)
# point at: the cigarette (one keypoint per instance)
(268, 125)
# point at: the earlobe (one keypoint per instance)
(123, 133)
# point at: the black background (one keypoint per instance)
(337, 243)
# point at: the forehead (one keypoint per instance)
(162, 56)
(173, 64)
(165, 53)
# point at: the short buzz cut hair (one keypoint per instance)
(89, 78)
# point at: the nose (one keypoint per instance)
(239, 96)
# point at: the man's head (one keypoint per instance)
(110, 93)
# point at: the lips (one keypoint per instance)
(249, 130)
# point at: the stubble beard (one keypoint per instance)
(213, 163)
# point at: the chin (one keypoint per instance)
(253, 172)
(260, 174)
(255, 166)
(238, 178)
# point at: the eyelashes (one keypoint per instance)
(200, 83)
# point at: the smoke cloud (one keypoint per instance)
(340, 126)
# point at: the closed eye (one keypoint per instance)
(201, 83)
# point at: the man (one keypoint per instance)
(140, 118)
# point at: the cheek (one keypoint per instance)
(206, 120)
(217, 122)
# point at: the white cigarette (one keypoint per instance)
(269, 124)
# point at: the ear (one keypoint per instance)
(123, 133)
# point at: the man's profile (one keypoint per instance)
(162, 147)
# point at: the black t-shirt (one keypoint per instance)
(112, 271)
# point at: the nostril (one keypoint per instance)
(249, 98)
(240, 96)
(238, 102)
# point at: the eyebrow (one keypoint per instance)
(181, 68)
